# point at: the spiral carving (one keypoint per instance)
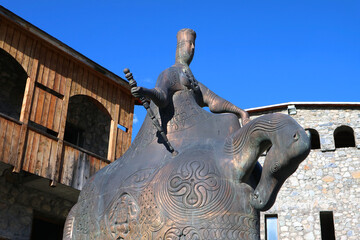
(193, 190)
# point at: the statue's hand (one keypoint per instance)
(137, 92)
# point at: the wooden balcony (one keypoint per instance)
(46, 86)
(69, 165)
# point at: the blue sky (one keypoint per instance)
(253, 53)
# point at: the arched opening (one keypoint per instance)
(88, 125)
(344, 137)
(12, 81)
(315, 138)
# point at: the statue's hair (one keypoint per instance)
(185, 30)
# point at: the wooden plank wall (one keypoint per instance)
(9, 140)
(18, 44)
(78, 167)
(53, 77)
(40, 155)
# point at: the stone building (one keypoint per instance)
(321, 200)
(62, 118)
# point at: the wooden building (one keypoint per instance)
(62, 116)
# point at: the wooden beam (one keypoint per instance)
(26, 107)
(60, 145)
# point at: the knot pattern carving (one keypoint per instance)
(193, 190)
(194, 184)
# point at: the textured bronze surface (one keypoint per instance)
(212, 189)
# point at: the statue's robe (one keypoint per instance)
(150, 194)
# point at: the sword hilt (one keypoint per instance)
(130, 78)
(132, 84)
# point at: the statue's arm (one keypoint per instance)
(217, 104)
(159, 94)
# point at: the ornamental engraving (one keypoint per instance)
(193, 190)
(194, 184)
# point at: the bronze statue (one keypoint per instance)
(213, 188)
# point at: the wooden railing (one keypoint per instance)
(9, 139)
(69, 164)
(78, 165)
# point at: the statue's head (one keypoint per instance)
(185, 45)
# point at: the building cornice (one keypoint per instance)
(303, 104)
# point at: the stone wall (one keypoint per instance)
(328, 180)
(18, 204)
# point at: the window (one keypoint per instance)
(271, 227)
(12, 81)
(315, 138)
(344, 137)
(327, 225)
(88, 125)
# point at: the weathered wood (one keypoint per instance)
(8, 38)
(90, 84)
(84, 82)
(113, 128)
(46, 158)
(64, 76)
(45, 75)
(46, 108)
(81, 171)
(7, 141)
(70, 154)
(14, 43)
(30, 57)
(20, 149)
(14, 144)
(77, 86)
(42, 58)
(99, 92)
(94, 87)
(51, 116)
(3, 129)
(39, 155)
(54, 75)
(58, 73)
(60, 157)
(53, 157)
(3, 30)
(20, 49)
(29, 88)
(39, 105)
(52, 71)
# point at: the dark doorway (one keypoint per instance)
(327, 225)
(46, 229)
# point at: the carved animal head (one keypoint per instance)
(290, 145)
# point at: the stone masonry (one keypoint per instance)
(18, 203)
(328, 180)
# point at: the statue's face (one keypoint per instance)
(186, 49)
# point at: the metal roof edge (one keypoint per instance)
(62, 46)
(318, 104)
